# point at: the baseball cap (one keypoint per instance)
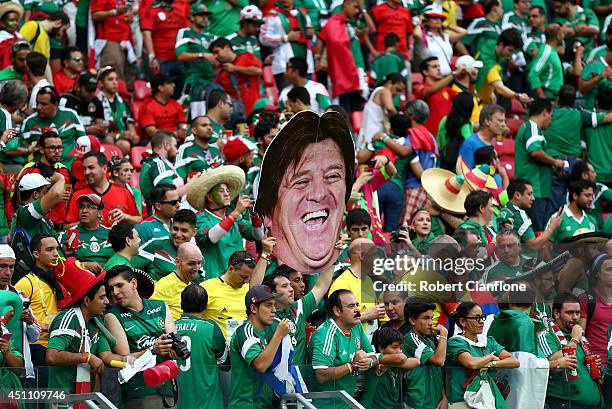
(93, 198)
(251, 12)
(85, 144)
(6, 251)
(88, 80)
(468, 61)
(434, 10)
(257, 294)
(199, 8)
(158, 80)
(32, 181)
(235, 148)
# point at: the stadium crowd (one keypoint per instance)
(143, 254)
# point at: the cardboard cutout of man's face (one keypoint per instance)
(307, 215)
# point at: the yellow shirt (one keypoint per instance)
(486, 92)
(475, 117)
(44, 303)
(226, 305)
(168, 290)
(43, 42)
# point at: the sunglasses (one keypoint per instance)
(249, 261)
(477, 318)
(171, 202)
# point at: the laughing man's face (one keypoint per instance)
(308, 214)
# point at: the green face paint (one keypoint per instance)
(216, 195)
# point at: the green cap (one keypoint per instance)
(199, 8)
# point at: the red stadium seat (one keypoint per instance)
(142, 90)
(268, 77)
(272, 94)
(136, 155)
(110, 151)
(136, 107)
(417, 78)
(508, 163)
(357, 120)
(123, 91)
(505, 147)
(514, 123)
(518, 107)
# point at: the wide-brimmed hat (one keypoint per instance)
(230, 175)
(8, 300)
(585, 235)
(481, 178)
(536, 267)
(145, 285)
(75, 278)
(445, 189)
(9, 6)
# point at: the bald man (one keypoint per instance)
(360, 284)
(188, 268)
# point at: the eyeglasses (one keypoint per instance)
(55, 148)
(77, 59)
(88, 207)
(249, 261)
(477, 318)
(170, 202)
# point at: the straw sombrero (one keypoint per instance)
(231, 175)
(9, 6)
(533, 268)
(585, 235)
(447, 190)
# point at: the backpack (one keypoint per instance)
(20, 243)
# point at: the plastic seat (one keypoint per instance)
(268, 77)
(518, 107)
(272, 94)
(123, 90)
(514, 123)
(505, 147)
(357, 120)
(136, 155)
(142, 90)
(508, 164)
(136, 107)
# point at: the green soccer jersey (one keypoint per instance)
(425, 383)
(602, 193)
(534, 39)
(191, 157)
(224, 16)
(563, 136)
(142, 329)
(485, 234)
(457, 374)
(198, 73)
(157, 170)
(330, 347)
(609, 361)
(530, 139)
(153, 228)
(584, 390)
(117, 260)
(569, 225)
(593, 70)
(586, 17)
(66, 123)
(65, 334)
(217, 254)
(388, 63)
(597, 52)
(521, 221)
(383, 388)
(500, 271)
(31, 218)
(93, 245)
(599, 151)
(513, 20)
(9, 73)
(6, 122)
(248, 390)
(157, 257)
(242, 45)
(82, 13)
(297, 315)
(199, 386)
(482, 35)
(545, 71)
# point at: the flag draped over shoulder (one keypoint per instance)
(515, 330)
(340, 60)
(282, 376)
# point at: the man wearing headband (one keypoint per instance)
(17, 70)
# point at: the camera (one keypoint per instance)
(372, 163)
(26, 304)
(179, 346)
(395, 235)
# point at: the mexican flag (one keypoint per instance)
(515, 330)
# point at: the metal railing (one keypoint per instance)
(302, 399)
(93, 400)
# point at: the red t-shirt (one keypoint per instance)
(164, 24)
(64, 83)
(115, 197)
(597, 327)
(113, 28)
(58, 213)
(472, 11)
(249, 85)
(390, 20)
(439, 104)
(162, 116)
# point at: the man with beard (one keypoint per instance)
(39, 33)
(298, 312)
(264, 132)
(13, 95)
(119, 205)
(192, 50)
(50, 148)
(565, 332)
(164, 203)
(158, 255)
(78, 351)
(188, 268)
(81, 100)
(66, 79)
(198, 154)
(88, 240)
(245, 39)
(17, 70)
(219, 111)
(158, 167)
(50, 115)
(583, 170)
(138, 324)
(573, 215)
